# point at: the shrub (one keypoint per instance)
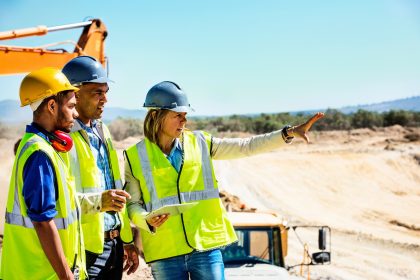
(397, 117)
(124, 128)
(362, 119)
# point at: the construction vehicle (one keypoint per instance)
(262, 246)
(16, 59)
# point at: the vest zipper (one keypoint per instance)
(73, 267)
(179, 192)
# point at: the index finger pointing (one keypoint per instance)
(315, 117)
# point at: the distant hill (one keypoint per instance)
(407, 104)
(12, 113)
(111, 113)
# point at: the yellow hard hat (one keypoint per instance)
(43, 83)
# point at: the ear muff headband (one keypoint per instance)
(60, 141)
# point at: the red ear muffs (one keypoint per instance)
(61, 141)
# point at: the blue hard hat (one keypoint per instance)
(85, 69)
(167, 95)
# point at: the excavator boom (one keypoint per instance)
(15, 60)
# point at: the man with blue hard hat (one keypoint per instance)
(93, 162)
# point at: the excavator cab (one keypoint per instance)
(266, 249)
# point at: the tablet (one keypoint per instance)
(172, 209)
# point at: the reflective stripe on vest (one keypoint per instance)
(185, 197)
(61, 223)
(205, 161)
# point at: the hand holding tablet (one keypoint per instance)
(171, 210)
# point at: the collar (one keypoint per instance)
(31, 128)
(78, 125)
(177, 146)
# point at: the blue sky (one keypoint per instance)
(243, 56)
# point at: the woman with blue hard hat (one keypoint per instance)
(173, 165)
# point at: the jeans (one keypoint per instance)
(108, 265)
(195, 266)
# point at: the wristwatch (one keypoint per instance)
(285, 135)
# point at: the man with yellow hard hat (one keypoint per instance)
(42, 235)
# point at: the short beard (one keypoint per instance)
(60, 118)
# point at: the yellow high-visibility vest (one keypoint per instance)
(205, 226)
(86, 174)
(22, 255)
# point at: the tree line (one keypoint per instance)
(262, 123)
(122, 128)
(333, 120)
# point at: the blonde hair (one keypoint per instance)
(153, 123)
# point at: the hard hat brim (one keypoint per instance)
(102, 80)
(182, 109)
(69, 88)
(179, 109)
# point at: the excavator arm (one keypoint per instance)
(15, 60)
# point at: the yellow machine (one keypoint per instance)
(17, 59)
(263, 246)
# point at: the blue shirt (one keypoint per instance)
(39, 184)
(175, 156)
(100, 153)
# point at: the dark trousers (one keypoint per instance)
(108, 265)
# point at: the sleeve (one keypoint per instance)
(39, 187)
(135, 208)
(232, 148)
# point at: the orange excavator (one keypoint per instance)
(15, 59)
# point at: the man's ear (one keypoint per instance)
(52, 106)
